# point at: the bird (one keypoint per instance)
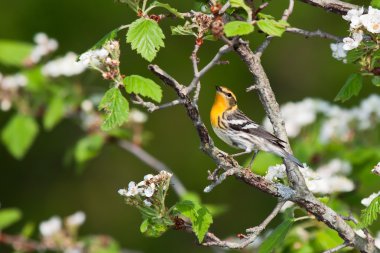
(236, 129)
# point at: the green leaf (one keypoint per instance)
(9, 216)
(369, 215)
(28, 229)
(116, 108)
(146, 37)
(144, 226)
(236, 28)
(167, 7)
(88, 148)
(351, 88)
(276, 237)
(19, 134)
(199, 216)
(375, 3)
(376, 81)
(143, 86)
(355, 55)
(153, 227)
(241, 4)
(36, 80)
(14, 53)
(112, 35)
(183, 30)
(54, 113)
(133, 4)
(272, 27)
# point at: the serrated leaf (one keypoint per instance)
(146, 37)
(236, 28)
(143, 86)
(112, 35)
(375, 3)
(351, 88)
(272, 27)
(9, 216)
(241, 4)
(183, 30)
(199, 216)
(14, 53)
(133, 4)
(54, 113)
(167, 7)
(88, 147)
(276, 237)
(370, 214)
(376, 81)
(116, 108)
(19, 134)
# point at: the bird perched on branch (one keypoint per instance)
(236, 129)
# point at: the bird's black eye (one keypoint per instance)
(229, 95)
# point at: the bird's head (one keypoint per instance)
(225, 98)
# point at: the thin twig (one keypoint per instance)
(225, 7)
(194, 60)
(337, 248)
(317, 33)
(217, 180)
(335, 6)
(154, 163)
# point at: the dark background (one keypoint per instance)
(41, 186)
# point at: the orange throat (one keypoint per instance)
(220, 105)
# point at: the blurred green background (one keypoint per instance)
(42, 186)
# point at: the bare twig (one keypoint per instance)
(154, 163)
(225, 7)
(317, 33)
(337, 248)
(335, 6)
(194, 60)
(219, 179)
(252, 233)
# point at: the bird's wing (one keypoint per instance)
(240, 122)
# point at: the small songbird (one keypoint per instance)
(236, 129)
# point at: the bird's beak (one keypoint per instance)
(218, 88)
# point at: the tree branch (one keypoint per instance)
(154, 163)
(335, 6)
(317, 33)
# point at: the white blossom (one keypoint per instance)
(353, 16)
(371, 20)
(352, 42)
(137, 116)
(13, 82)
(5, 105)
(148, 177)
(276, 172)
(376, 169)
(368, 200)
(87, 105)
(132, 189)
(64, 66)
(123, 192)
(76, 219)
(335, 166)
(93, 57)
(338, 52)
(149, 191)
(44, 46)
(51, 226)
(147, 202)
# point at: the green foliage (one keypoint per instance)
(112, 35)
(28, 229)
(369, 215)
(9, 216)
(54, 113)
(375, 3)
(272, 27)
(154, 227)
(183, 30)
(19, 134)
(355, 54)
(236, 28)
(143, 86)
(327, 238)
(275, 239)
(376, 81)
(133, 4)
(199, 216)
(241, 4)
(146, 37)
(14, 53)
(351, 88)
(172, 10)
(116, 108)
(101, 244)
(88, 148)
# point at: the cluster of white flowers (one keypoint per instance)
(64, 66)
(368, 200)
(44, 46)
(51, 226)
(327, 179)
(76, 219)
(93, 58)
(376, 169)
(147, 187)
(336, 121)
(137, 116)
(8, 86)
(338, 52)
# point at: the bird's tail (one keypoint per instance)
(293, 159)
